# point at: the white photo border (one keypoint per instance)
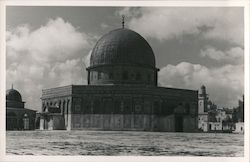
(226, 3)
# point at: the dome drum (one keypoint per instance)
(122, 75)
(15, 104)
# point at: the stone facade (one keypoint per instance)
(239, 127)
(20, 119)
(122, 92)
(120, 108)
(203, 116)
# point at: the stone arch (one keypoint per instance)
(60, 104)
(25, 121)
(111, 75)
(99, 75)
(125, 75)
(149, 78)
(187, 108)
(138, 76)
(63, 106)
(43, 106)
(56, 103)
(156, 107)
(96, 106)
(67, 105)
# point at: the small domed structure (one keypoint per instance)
(14, 98)
(122, 56)
(17, 116)
(13, 95)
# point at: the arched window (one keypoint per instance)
(63, 106)
(26, 121)
(96, 107)
(138, 76)
(91, 75)
(125, 75)
(110, 75)
(117, 107)
(99, 75)
(60, 105)
(187, 107)
(149, 78)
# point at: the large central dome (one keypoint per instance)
(122, 46)
(121, 57)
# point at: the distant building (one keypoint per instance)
(18, 117)
(224, 114)
(239, 117)
(214, 126)
(240, 110)
(203, 116)
(122, 93)
(239, 127)
(211, 118)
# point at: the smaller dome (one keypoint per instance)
(13, 95)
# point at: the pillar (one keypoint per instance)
(42, 123)
(88, 76)
(69, 123)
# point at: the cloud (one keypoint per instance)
(53, 42)
(234, 55)
(86, 59)
(225, 24)
(49, 56)
(104, 26)
(224, 84)
(129, 12)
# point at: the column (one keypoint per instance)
(69, 104)
(88, 76)
(42, 123)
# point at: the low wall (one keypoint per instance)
(140, 122)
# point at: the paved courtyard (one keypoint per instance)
(119, 143)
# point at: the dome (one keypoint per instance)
(124, 47)
(13, 95)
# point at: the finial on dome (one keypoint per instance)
(123, 17)
(12, 86)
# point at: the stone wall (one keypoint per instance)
(113, 122)
(130, 122)
(123, 108)
(20, 119)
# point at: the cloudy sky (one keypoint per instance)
(49, 46)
